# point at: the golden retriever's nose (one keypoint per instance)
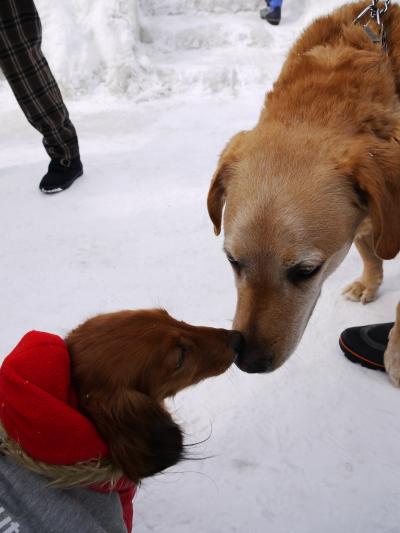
(255, 361)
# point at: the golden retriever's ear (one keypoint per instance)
(377, 177)
(142, 437)
(217, 196)
(385, 214)
(217, 193)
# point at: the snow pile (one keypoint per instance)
(180, 7)
(152, 48)
(89, 44)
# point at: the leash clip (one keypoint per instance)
(376, 13)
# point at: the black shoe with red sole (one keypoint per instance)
(366, 345)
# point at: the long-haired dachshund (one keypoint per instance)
(125, 364)
(88, 412)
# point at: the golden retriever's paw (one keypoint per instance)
(392, 356)
(358, 291)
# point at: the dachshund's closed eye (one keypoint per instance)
(125, 364)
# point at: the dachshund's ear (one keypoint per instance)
(217, 193)
(142, 437)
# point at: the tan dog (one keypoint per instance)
(320, 170)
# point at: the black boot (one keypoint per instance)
(61, 174)
(271, 15)
(366, 345)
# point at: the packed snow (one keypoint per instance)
(155, 88)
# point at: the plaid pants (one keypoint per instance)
(31, 80)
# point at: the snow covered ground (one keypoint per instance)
(311, 448)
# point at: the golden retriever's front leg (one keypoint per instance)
(392, 354)
(365, 289)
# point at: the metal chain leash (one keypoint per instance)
(376, 14)
(375, 11)
(386, 6)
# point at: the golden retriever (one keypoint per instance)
(320, 170)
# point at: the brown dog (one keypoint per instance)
(320, 170)
(124, 366)
(116, 369)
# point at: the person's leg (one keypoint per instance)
(31, 80)
(275, 3)
(272, 13)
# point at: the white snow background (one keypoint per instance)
(155, 89)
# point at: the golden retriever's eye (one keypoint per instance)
(181, 358)
(235, 264)
(300, 273)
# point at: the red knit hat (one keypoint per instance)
(38, 405)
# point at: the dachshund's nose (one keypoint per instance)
(237, 342)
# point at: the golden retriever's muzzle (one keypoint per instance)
(270, 338)
(253, 360)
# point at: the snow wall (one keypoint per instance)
(149, 48)
(92, 43)
(140, 48)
